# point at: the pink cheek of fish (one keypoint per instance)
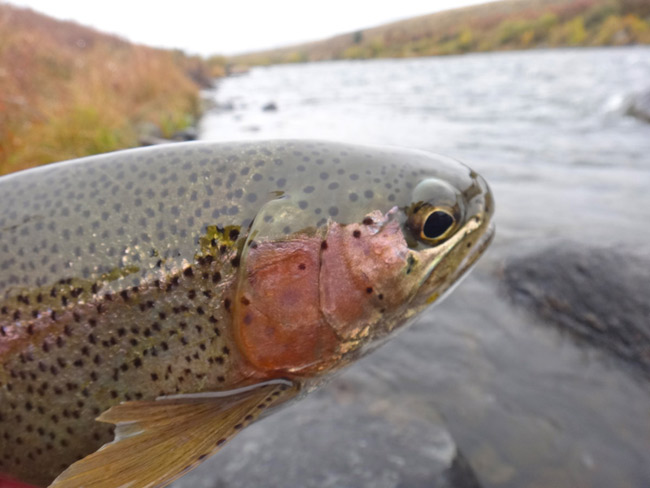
(361, 275)
(278, 325)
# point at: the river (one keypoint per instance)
(525, 404)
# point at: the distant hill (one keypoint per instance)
(68, 90)
(503, 25)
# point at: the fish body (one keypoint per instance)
(249, 272)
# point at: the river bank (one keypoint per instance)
(504, 25)
(70, 91)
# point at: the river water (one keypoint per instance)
(526, 405)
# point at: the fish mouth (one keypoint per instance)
(477, 250)
(468, 251)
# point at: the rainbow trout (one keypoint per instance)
(156, 301)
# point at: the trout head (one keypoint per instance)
(313, 300)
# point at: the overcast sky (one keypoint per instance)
(218, 27)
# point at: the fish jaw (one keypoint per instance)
(276, 317)
(445, 265)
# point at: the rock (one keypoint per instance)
(270, 107)
(237, 70)
(461, 474)
(200, 74)
(600, 295)
(147, 140)
(639, 106)
(150, 134)
(188, 134)
(208, 103)
(227, 106)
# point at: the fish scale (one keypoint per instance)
(123, 277)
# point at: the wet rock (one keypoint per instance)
(639, 106)
(152, 141)
(600, 295)
(343, 436)
(227, 106)
(208, 102)
(461, 474)
(270, 107)
(150, 134)
(184, 135)
(237, 70)
(200, 74)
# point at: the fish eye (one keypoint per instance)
(429, 224)
(436, 212)
(437, 224)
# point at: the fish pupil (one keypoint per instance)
(437, 224)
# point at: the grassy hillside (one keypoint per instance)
(504, 25)
(69, 91)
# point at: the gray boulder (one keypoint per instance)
(599, 295)
(187, 134)
(639, 106)
(270, 107)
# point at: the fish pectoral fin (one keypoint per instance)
(158, 441)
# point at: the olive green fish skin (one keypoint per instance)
(113, 271)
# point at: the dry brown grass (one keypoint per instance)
(69, 91)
